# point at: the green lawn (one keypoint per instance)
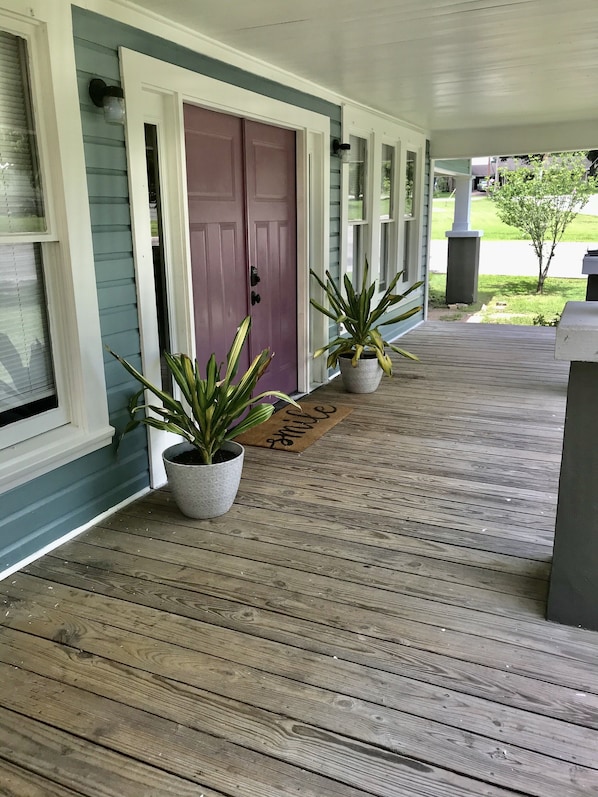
(510, 300)
(582, 229)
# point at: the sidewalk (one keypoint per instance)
(517, 258)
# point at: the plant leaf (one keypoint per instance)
(254, 417)
(403, 353)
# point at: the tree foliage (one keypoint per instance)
(541, 197)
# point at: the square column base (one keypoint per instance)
(462, 270)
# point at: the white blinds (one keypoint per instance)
(21, 206)
(26, 375)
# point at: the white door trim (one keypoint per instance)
(155, 92)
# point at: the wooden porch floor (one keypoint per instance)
(367, 620)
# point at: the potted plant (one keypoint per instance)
(361, 352)
(204, 470)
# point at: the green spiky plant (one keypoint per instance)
(212, 404)
(361, 320)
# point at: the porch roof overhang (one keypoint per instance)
(479, 76)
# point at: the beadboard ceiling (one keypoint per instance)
(446, 66)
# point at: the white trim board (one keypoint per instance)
(553, 137)
(155, 93)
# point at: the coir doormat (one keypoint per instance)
(291, 429)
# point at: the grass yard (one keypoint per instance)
(509, 300)
(582, 229)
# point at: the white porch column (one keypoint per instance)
(462, 203)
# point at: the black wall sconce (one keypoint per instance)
(340, 150)
(110, 98)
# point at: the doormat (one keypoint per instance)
(291, 429)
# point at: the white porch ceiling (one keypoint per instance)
(472, 73)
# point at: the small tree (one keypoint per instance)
(541, 197)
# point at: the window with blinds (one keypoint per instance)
(357, 231)
(27, 383)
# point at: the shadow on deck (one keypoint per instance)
(368, 619)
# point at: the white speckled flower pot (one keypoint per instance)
(364, 377)
(204, 491)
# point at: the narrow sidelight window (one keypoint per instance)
(357, 190)
(387, 220)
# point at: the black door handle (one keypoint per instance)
(255, 298)
(254, 277)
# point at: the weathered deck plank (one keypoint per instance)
(367, 620)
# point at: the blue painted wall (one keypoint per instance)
(455, 165)
(43, 510)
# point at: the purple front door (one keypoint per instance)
(242, 217)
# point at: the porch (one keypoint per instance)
(367, 620)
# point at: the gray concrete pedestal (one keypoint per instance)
(463, 267)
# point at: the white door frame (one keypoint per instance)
(155, 92)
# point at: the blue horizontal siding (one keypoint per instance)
(114, 266)
(120, 295)
(53, 505)
(108, 214)
(119, 319)
(106, 155)
(96, 46)
(96, 129)
(111, 185)
(106, 241)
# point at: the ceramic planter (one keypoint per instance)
(204, 491)
(364, 377)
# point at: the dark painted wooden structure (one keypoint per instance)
(573, 597)
(574, 576)
(463, 262)
(592, 288)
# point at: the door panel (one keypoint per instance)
(271, 225)
(215, 186)
(242, 214)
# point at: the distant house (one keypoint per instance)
(482, 172)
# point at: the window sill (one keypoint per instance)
(26, 461)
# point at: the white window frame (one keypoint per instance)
(411, 226)
(366, 223)
(393, 217)
(80, 425)
(380, 129)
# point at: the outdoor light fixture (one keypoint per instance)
(340, 150)
(110, 98)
